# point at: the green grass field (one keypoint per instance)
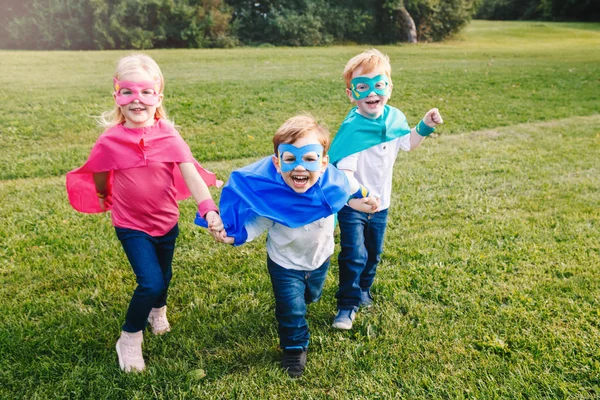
(489, 286)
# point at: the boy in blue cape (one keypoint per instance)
(365, 148)
(293, 195)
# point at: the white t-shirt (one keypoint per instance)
(374, 167)
(305, 248)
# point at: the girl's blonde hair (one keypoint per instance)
(126, 66)
(298, 126)
(368, 60)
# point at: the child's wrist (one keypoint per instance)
(206, 206)
(423, 129)
(361, 193)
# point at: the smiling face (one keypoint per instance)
(371, 91)
(292, 162)
(138, 114)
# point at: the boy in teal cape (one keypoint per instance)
(365, 148)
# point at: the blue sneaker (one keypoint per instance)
(344, 319)
(366, 300)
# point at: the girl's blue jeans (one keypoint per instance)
(293, 290)
(361, 241)
(151, 259)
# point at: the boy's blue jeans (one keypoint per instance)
(361, 240)
(293, 291)
(151, 259)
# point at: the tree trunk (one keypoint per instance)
(408, 25)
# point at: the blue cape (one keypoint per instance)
(259, 190)
(358, 133)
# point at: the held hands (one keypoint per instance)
(217, 229)
(433, 118)
(366, 204)
(215, 224)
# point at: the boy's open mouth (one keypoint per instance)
(299, 179)
(372, 102)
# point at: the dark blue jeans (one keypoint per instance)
(151, 259)
(361, 240)
(293, 291)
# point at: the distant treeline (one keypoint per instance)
(550, 10)
(143, 24)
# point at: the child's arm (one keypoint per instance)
(254, 229)
(368, 204)
(101, 182)
(417, 134)
(197, 187)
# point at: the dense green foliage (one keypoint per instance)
(312, 22)
(489, 286)
(437, 20)
(145, 24)
(575, 10)
(114, 24)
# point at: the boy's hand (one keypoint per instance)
(433, 118)
(373, 202)
(217, 229)
(222, 237)
(215, 224)
(366, 204)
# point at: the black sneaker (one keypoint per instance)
(294, 360)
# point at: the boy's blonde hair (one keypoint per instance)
(368, 60)
(126, 66)
(298, 126)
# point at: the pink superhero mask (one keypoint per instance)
(146, 92)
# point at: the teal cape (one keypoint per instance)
(358, 133)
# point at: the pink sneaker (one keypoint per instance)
(129, 350)
(158, 321)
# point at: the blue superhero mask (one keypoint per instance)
(362, 87)
(299, 154)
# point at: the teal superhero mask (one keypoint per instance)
(299, 154)
(358, 133)
(362, 87)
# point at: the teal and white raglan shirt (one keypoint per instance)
(369, 148)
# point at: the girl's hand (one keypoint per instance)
(217, 229)
(105, 202)
(215, 224)
(433, 118)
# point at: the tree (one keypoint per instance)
(48, 24)
(437, 20)
(574, 10)
(143, 24)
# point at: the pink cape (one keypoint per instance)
(121, 148)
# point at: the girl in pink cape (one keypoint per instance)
(138, 169)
